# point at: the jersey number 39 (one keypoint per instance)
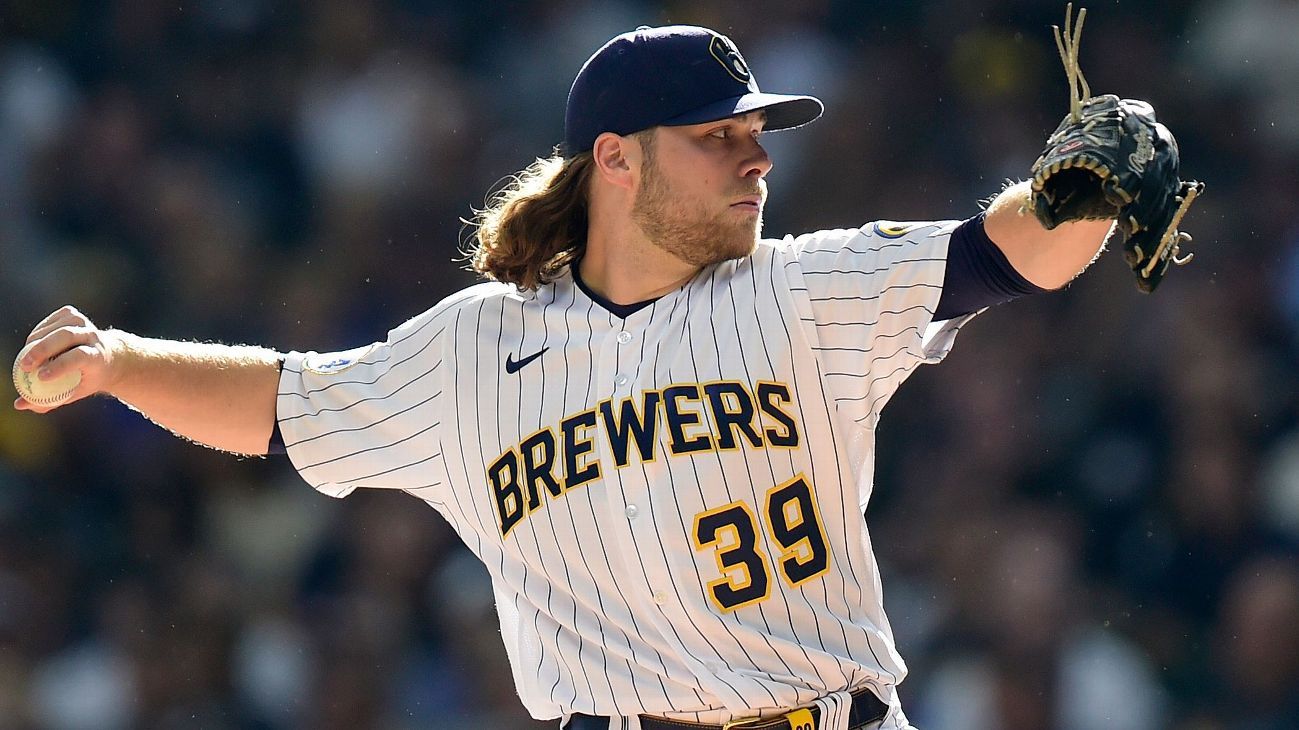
(791, 519)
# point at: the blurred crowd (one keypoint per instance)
(1087, 517)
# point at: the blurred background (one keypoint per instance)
(1087, 517)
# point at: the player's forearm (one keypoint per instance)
(219, 395)
(1049, 259)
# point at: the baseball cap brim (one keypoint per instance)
(784, 111)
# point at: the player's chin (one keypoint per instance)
(752, 232)
(738, 246)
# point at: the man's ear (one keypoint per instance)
(617, 159)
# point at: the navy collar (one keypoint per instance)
(622, 311)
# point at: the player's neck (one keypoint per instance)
(624, 267)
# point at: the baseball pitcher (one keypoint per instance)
(652, 425)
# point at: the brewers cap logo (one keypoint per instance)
(729, 56)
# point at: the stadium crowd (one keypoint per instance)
(1087, 517)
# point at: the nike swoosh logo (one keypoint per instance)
(512, 366)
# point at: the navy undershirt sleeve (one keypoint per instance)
(978, 274)
(276, 446)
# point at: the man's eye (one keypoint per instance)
(722, 133)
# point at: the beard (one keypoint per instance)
(683, 227)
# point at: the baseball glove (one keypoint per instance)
(1110, 159)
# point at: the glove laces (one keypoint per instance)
(1067, 44)
(1172, 237)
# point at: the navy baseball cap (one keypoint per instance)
(678, 74)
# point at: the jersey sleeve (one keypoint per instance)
(869, 295)
(367, 417)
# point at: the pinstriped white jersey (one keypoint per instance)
(670, 505)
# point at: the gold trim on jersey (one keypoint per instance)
(799, 534)
(623, 428)
(741, 563)
(787, 439)
(539, 467)
(581, 460)
(805, 549)
(680, 419)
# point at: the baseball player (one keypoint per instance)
(655, 428)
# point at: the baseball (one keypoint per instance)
(43, 392)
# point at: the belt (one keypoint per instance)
(866, 709)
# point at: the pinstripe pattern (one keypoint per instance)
(602, 588)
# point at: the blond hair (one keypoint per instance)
(535, 225)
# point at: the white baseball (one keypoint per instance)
(43, 392)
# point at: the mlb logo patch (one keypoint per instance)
(333, 363)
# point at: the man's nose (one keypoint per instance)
(758, 163)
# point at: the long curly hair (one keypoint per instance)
(535, 225)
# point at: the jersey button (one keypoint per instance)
(620, 380)
(624, 337)
(660, 597)
(631, 511)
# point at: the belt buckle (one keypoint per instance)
(800, 719)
